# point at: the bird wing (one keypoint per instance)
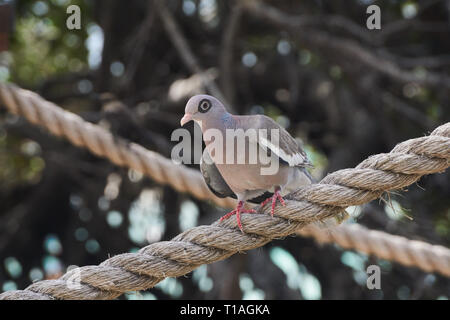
(287, 148)
(213, 178)
(217, 184)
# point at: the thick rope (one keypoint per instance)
(102, 143)
(406, 163)
(385, 246)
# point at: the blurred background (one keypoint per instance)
(313, 66)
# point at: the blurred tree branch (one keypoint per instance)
(347, 48)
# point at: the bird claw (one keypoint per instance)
(238, 212)
(276, 196)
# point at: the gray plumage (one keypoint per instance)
(217, 184)
(247, 180)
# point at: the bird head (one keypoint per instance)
(201, 108)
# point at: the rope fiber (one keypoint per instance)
(404, 165)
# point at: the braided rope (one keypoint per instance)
(406, 163)
(102, 143)
(385, 246)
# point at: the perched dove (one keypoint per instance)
(245, 181)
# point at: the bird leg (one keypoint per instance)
(238, 212)
(276, 196)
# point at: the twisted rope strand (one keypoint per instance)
(207, 244)
(385, 246)
(102, 143)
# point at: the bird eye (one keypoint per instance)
(204, 105)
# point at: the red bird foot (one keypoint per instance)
(276, 196)
(238, 212)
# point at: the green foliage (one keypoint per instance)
(42, 46)
(19, 161)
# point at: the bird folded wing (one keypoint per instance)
(219, 186)
(281, 143)
(213, 178)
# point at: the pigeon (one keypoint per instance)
(245, 180)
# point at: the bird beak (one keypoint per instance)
(187, 117)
